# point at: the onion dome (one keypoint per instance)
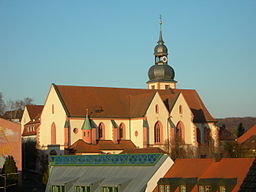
(161, 73)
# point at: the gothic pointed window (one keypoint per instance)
(53, 133)
(158, 132)
(121, 131)
(101, 131)
(157, 108)
(180, 133)
(180, 110)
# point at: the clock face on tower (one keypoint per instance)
(164, 59)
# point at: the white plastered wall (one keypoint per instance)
(47, 118)
(186, 118)
(76, 123)
(161, 116)
(25, 119)
(137, 132)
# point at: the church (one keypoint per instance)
(102, 120)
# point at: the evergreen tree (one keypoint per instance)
(240, 130)
(10, 167)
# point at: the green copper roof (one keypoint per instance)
(87, 124)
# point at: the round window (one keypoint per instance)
(75, 130)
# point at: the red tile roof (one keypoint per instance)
(34, 110)
(122, 102)
(144, 150)
(188, 168)
(230, 168)
(81, 146)
(28, 130)
(12, 115)
(209, 169)
(249, 133)
(31, 126)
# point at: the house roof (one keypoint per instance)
(226, 168)
(249, 133)
(188, 168)
(27, 131)
(106, 102)
(130, 172)
(15, 114)
(34, 110)
(226, 135)
(80, 146)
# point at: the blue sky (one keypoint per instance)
(212, 47)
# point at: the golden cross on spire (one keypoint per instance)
(161, 22)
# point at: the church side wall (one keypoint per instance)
(78, 123)
(214, 132)
(182, 113)
(53, 112)
(127, 126)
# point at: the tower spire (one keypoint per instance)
(160, 35)
(161, 75)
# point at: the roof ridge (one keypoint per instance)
(102, 87)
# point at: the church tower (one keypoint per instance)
(161, 75)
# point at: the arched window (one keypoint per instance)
(180, 132)
(180, 109)
(121, 131)
(158, 132)
(101, 129)
(157, 108)
(52, 108)
(198, 135)
(53, 134)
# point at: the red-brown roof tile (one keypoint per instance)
(81, 146)
(123, 102)
(249, 133)
(230, 168)
(28, 130)
(188, 168)
(34, 110)
(226, 168)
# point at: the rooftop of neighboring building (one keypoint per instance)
(229, 172)
(14, 115)
(127, 172)
(249, 133)
(34, 110)
(80, 146)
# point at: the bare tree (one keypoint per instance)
(2, 105)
